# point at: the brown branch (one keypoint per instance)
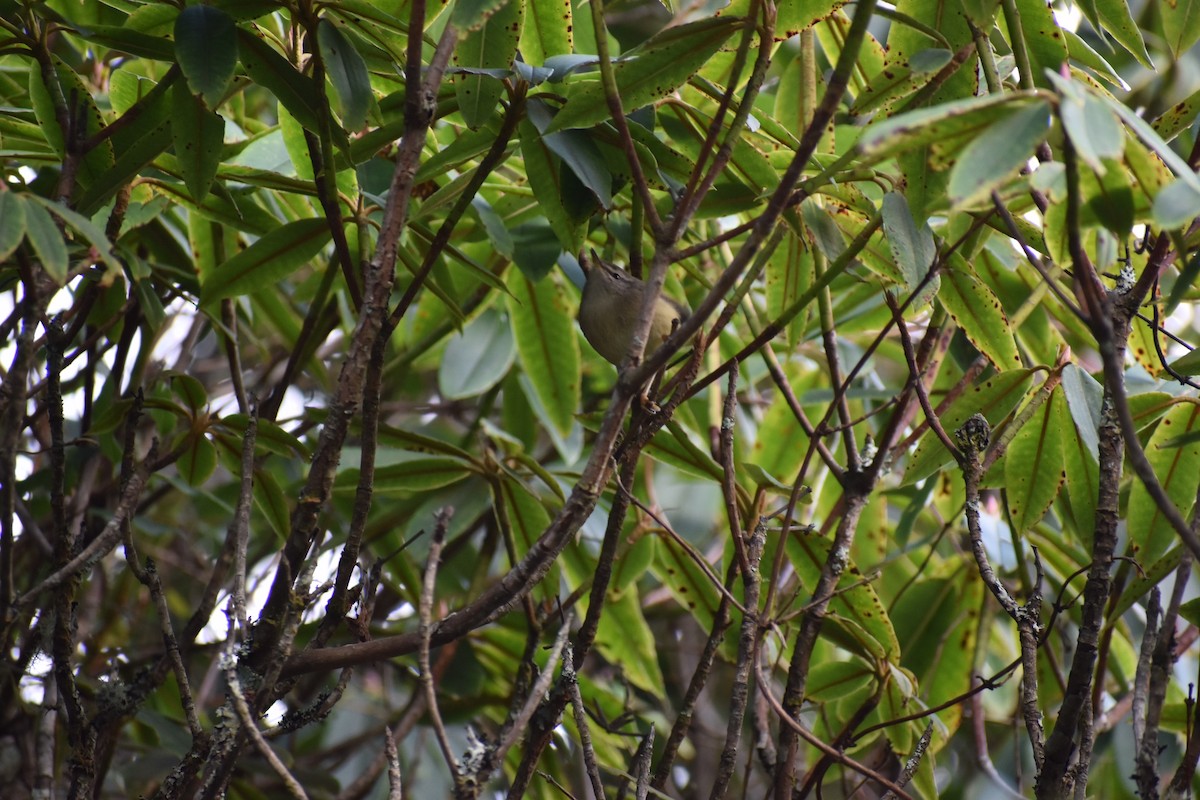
(380, 274)
(425, 610)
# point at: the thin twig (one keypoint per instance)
(581, 725)
(251, 729)
(428, 587)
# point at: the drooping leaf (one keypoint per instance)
(46, 240)
(544, 170)
(547, 30)
(1119, 23)
(1033, 469)
(1178, 469)
(12, 223)
(348, 73)
(1044, 39)
(577, 151)
(294, 90)
(491, 46)
(206, 50)
(1092, 126)
(198, 135)
(912, 246)
(788, 275)
(978, 312)
(544, 331)
(1180, 25)
(83, 226)
(1079, 465)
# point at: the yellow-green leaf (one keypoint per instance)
(1033, 470)
(547, 347)
(265, 262)
(1175, 457)
(649, 73)
(978, 312)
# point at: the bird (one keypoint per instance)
(610, 308)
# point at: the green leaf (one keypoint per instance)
(1033, 469)
(1119, 23)
(649, 73)
(478, 358)
(547, 30)
(577, 151)
(544, 170)
(789, 273)
(1043, 39)
(1188, 364)
(1093, 129)
(996, 154)
(1178, 117)
(544, 331)
(691, 587)
(633, 563)
(419, 474)
(270, 437)
(1079, 465)
(1083, 54)
(625, 638)
(47, 241)
(198, 462)
(1178, 469)
(295, 91)
(91, 232)
(12, 222)
(492, 46)
(860, 618)
(896, 82)
(978, 312)
(129, 41)
(67, 87)
(994, 398)
(471, 15)
(348, 73)
(937, 627)
(913, 248)
(1152, 140)
(528, 519)
(1180, 25)
(1177, 205)
(129, 163)
(265, 262)
(792, 17)
(673, 445)
(271, 502)
(958, 120)
(206, 50)
(199, 135)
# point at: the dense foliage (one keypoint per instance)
(310, 485)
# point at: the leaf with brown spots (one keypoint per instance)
(977, 311)
(649, 73)
(1176, 461)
